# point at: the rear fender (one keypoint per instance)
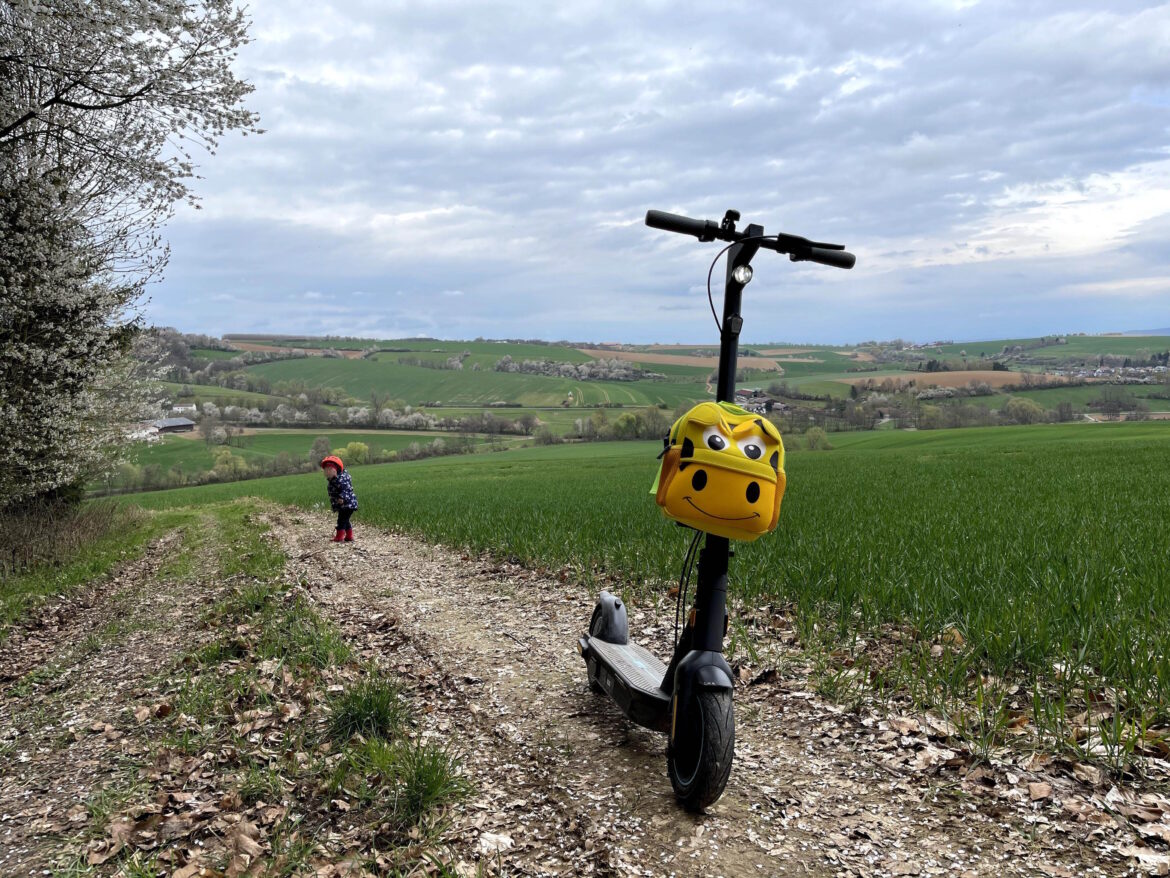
(613, 625)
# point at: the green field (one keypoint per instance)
(1077, 346)
(218, 395)
(830, 363)
(415, 384)
(494, 350)
(192, 455)
(558, 419)
(678, 372)
(212, 354)
(485, 349)
(1041, 545)
(1079, 397)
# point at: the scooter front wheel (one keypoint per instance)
(699, 758)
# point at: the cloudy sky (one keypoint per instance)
(462, 169)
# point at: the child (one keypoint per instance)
(342, 499)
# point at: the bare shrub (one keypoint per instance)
(51, 534)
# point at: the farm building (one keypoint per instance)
(175, 425)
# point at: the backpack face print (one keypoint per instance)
(722, 472)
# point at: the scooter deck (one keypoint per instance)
(641, 669)
(631, 675)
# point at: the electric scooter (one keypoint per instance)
(690, 699)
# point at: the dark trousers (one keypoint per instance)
(343, 518)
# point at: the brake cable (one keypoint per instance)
(684, 582)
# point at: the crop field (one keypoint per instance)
(1044, 547)
(485, 360)
(812, 363)
(218, 395)
(487, 349)
(1077, 346)
(557, 418)
(1080, 397)
(955, 378)
(680, 372)
(655, 359)
(797, 374)
(191, 454)
(674, 368)
(212, 354)
(416, 384)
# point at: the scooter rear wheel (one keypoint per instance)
(699, 759)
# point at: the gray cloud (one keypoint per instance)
(995, 167)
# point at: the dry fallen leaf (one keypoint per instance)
(1089, 774)
(905, 725)
(953, 637)
(1038, 791)
(940, 727)
(492, 843)
(1156, 862)
(245, 839)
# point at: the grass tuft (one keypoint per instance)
(371, 708)
(402, 784)
(261, 784)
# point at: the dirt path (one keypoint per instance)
(70, 678)
(567, 786)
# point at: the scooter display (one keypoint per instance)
(690, 698)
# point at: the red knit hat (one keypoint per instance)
(332, 461)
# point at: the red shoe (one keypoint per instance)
(349, 534)
(339, 537)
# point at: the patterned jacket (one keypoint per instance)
(341, 495)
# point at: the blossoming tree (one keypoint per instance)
(102, 105)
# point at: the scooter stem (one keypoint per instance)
(711, 596)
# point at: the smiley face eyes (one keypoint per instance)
(714, 439)
(751, 448)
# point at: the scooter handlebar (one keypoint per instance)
(704, 230)
(798, 249)
(835, 258)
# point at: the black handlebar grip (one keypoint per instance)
(684, 225)
(835, 258)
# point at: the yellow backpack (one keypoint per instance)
(722, 472)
